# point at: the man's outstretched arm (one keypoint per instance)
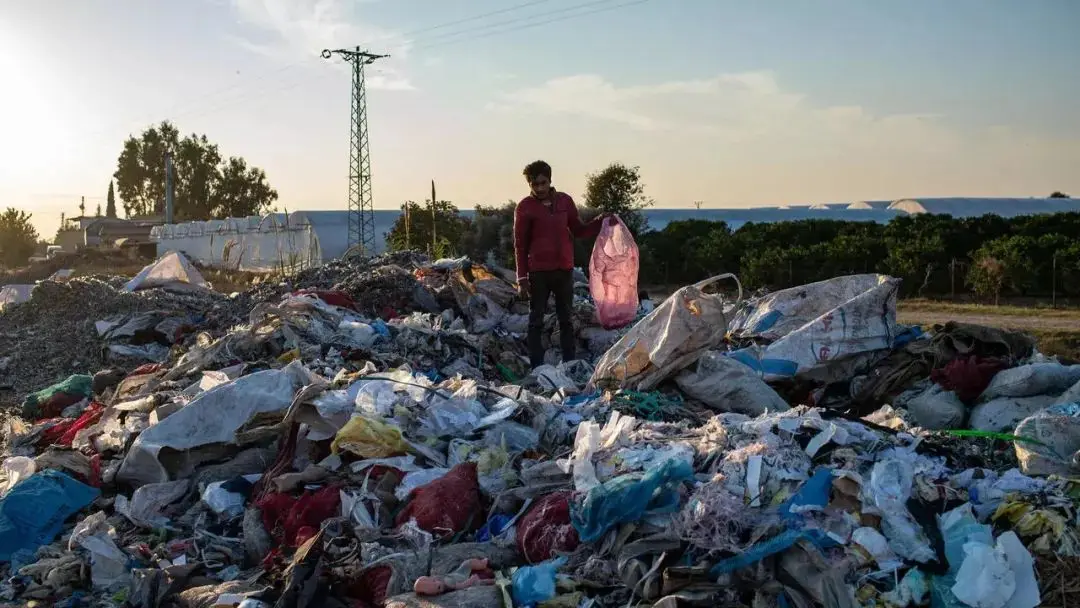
(580, 229)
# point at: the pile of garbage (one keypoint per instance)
(369, 434)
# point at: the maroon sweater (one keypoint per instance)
(543, 235)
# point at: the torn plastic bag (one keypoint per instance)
(213, 417)
(629, 498)
(589, 438)
(613, 275)
(1030, 380)
(853, 326)
(668, 339)
(144, 508)
(1057, 429)
(369, 438)
(534, 584)
(172, 271)
(16, 469)
(935, 408)
(108, 564)
(1002, 414)
(727, 385)
(511, 436)
(549, 378)
(32, 514)
(890, 487)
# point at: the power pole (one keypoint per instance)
(361, 207)
(698, 204)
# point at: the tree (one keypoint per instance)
(206, 186)
(242, 190)
(491, 234)
(1059, 194)
(82, 207)
(987, 277)
(618, 189)
(110, 202)
(18, 237)
(449, 234)
(97, 212)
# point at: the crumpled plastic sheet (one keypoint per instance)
(629, 498)
(214, 417)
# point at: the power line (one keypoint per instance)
(453, 37)
(531, 24)
(529, 21)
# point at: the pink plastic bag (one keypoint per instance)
(613, 275)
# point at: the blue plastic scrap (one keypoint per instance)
(628, 498)
(534, 584)
(781, 542)
(33, 513)
(494, 527)
(814, 493)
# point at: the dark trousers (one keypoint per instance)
(541, 285)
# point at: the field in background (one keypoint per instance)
(1057, 329)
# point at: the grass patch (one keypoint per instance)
(916, 306)
(1064, 344)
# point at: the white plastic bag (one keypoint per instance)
(729, 386)
(1031, 380)
(826, 331)
(667, 340)
(613, 275)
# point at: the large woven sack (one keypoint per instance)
(671, 337)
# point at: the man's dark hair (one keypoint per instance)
(535, 169)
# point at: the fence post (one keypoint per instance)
(1053, 283)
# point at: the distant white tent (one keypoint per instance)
(974, 207)
(172, 271)
(14, 294)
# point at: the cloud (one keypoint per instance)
(292, 29)
(752, 109)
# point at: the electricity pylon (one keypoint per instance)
(361, 207)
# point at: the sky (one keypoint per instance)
(731, 103)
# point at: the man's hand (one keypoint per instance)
(523, 288)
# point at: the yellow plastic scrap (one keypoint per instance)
(1027, 521)
(369, 438)
(289, 356)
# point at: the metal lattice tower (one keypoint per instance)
(361, 207)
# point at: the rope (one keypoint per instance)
(651, 406)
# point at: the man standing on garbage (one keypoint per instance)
(545, 224)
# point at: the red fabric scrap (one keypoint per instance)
(968, 377)
(149, 368)
(63, 432)
(448, 505)
(293, 520)
(332, 297)
(95, 471)
(545, 530)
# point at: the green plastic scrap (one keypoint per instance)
(992, 435)
(78, 386)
